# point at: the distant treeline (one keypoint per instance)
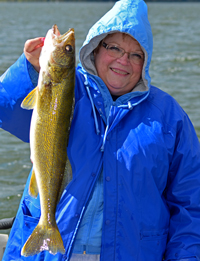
(58, 1)
(172, 1)
(112, 1)
(94, 1)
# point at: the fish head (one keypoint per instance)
(58, 53)
(64, 48)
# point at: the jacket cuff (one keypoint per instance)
(33, 74)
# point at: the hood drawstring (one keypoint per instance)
(104, 138)
(95, 115)
(93, 108)
(129, 106)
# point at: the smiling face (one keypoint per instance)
(119, 74)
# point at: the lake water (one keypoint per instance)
(175, 66)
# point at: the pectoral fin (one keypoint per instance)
(33, 188)
(30, 101)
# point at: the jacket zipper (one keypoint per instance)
(81, 216)
(95, 208)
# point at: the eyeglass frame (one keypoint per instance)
(106, 46)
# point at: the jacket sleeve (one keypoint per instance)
(15, 84)
(183, 195)
(185, 259)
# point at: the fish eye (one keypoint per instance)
(69, 48)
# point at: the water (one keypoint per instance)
(175, 65)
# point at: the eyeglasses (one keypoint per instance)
(117, 52)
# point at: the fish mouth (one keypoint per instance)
(56, 32)
(68, 34)
(57, 35)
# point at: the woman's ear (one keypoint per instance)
(94, 53)
(96, 50)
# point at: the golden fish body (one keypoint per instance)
(52, 101)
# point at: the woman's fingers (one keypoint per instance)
(32, 49)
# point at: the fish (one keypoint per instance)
(52, 102)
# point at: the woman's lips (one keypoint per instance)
(119, 71)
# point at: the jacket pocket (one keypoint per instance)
(152, 245)
(31, 215)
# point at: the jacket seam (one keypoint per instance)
(117, 197)
(163, 117)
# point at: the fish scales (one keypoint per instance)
(52, 104)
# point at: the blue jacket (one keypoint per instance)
(144, 143)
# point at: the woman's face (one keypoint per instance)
(119, 74)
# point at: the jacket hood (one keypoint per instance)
(127, 16)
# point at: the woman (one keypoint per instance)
(134, 153)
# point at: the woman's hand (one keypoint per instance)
(32, 49)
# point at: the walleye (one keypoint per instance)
(52, 101)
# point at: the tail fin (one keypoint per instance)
(43, 238)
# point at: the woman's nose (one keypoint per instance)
(124, 59)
